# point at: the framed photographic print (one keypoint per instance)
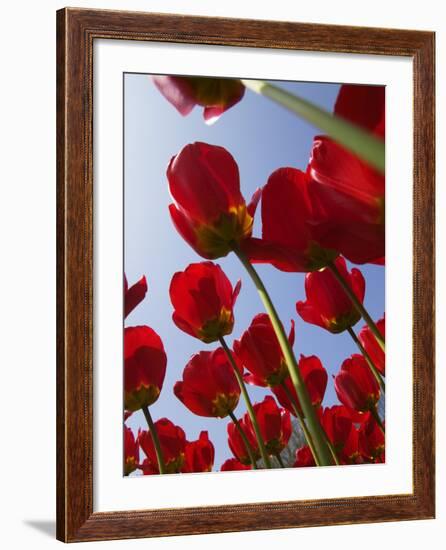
(243, 206)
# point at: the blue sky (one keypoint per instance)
(262, 137)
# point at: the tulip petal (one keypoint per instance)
(236, 291)
(252, 206)
(177, 91)
(309, 314)
(134, 295)
(361, 104)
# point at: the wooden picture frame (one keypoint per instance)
(76, 31)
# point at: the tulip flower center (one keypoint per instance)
(174, 465)
(343, 322)
(319, 257)
(224, 403)
(215, 328)
(144, 396)
(218, 239)
(278, 376)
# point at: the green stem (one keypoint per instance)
(367, 357)
(301, 422)
(360, 142)
(248, 447)
(360, 308)
(378, 419)
(249, 406)
(320, 446)
(279, 460)
(155, 439)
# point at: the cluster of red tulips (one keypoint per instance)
(311, 222)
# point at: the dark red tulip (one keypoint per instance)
(232, 464)
(372, 347)
(236, 443)
(259, 351)
(304, 458)
(355, 385)
(315, 378)
(131, 452)
(351, 452)
(127, 414)
(173, 445)
(349, 193)
(337, 423)
(371, 440)
(203, 301)
(209, 386)
(144, 367)
(134, 295)
(327, 304)
(363, 105)
(199, 455)
(209, 211)
(216, 95)
(274, 424)
(289, 241)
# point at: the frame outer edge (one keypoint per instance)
(60, 267)
(76, 29)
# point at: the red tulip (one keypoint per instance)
(315, 378)
(372, 347)
(304, 458)
(274, 424)
(289, 241)
(363, 105)
(337, 424)
(236, 443)
(350, 194)
(351, 452)
(173, 445)
(134, 295)
(355, 385)
(327, 304)
(131, 452)
(203, 301)
(232, 464)
(199, 455)
(372, 440)
(209, 212)
(259, 351)
(216, 95)
(209, 386)
(144, 367)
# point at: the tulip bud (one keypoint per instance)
(144, 367)
(131, 451)
(209, 212)
(259, 351)
(203, 301)
(315, 379)
(209, 386)
(199, 455)
(216, 95)
(173, 444)
(356, 386)
(327, 304)
(372, 347)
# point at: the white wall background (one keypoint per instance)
(27, 218)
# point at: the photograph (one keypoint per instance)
(254, 274)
